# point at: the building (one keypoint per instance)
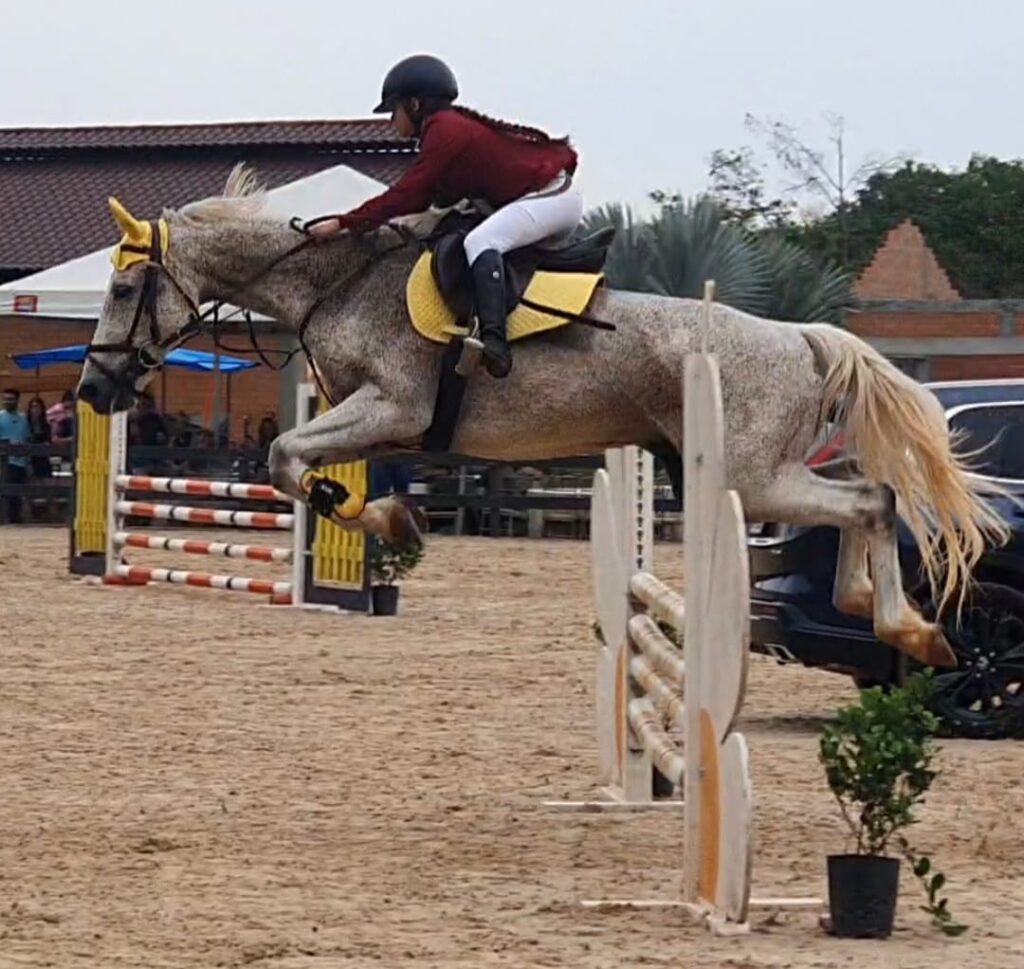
(912, 313)
(54, 185)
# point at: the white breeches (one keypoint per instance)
(533, 218)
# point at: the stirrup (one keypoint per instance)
(472, 352)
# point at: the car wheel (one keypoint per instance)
(984, 697)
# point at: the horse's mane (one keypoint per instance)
(244, 197)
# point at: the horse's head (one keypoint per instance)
(151, 307)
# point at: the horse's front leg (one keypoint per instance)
(365, 424)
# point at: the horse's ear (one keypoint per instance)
(133, 229)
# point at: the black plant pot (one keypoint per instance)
(862, 893)
(384, 599)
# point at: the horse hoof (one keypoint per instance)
(404, 524)
(925, 642)
(938, 651)
(418, 514)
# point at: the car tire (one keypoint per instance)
(983, 699)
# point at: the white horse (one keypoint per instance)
(573, 391)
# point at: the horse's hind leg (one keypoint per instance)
(866, 513)
(853, 592)
(362, 425)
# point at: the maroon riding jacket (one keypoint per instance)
(459, 158)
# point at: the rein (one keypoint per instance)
(150, 354)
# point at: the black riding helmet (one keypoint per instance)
(420, 76)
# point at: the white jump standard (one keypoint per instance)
(650, 690)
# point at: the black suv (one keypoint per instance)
(792, 571)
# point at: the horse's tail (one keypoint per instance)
(898, 431)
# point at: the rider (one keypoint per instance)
(522, 174)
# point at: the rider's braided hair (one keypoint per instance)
(429, 106)
(510, 127)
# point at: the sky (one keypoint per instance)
(647, 89)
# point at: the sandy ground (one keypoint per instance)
(191, 778)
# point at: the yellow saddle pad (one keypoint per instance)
(431, 317)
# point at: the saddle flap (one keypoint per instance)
(450, 270)
(454, 279)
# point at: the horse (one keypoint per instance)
(573, 391)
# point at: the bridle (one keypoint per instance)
(150, 353)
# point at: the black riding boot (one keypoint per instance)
(489, 282)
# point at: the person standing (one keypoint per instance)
(14, 429)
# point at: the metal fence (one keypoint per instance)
(460, 495)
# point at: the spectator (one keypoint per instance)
(265, 434)
(182, 430)
(267, 431)
(62, 418)
(39, 432)
(149, 429)
(14, 430)
(152, 428)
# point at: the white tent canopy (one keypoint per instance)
(76, 289)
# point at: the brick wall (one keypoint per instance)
(254, 393)
(912, 313)
(921, 325)
(977, 367)
(950, 340)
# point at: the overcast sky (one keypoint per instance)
(646, 89)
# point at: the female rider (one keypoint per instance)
(522, 174)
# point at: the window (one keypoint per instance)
(997, 432)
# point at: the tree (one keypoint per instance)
(691, 242)
(626, 267)
(737, 184)
(973, 220)
(688, 242)
(812, 172)
(800, 288)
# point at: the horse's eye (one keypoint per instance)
(122, 291)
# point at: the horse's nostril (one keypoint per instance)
(88, 391)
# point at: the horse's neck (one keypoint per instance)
(253, 265)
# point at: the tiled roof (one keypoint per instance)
(336, 134)
(54, 182)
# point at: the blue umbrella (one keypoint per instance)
(198, 360)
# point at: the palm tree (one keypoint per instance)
(688, 242)
(801, 290)
(626, 267)
(691, 243)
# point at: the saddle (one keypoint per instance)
(451, 273)
(545, 288)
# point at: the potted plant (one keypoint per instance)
(878, 757)
(388, 564)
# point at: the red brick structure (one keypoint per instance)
(913, 314)
(904, 267)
